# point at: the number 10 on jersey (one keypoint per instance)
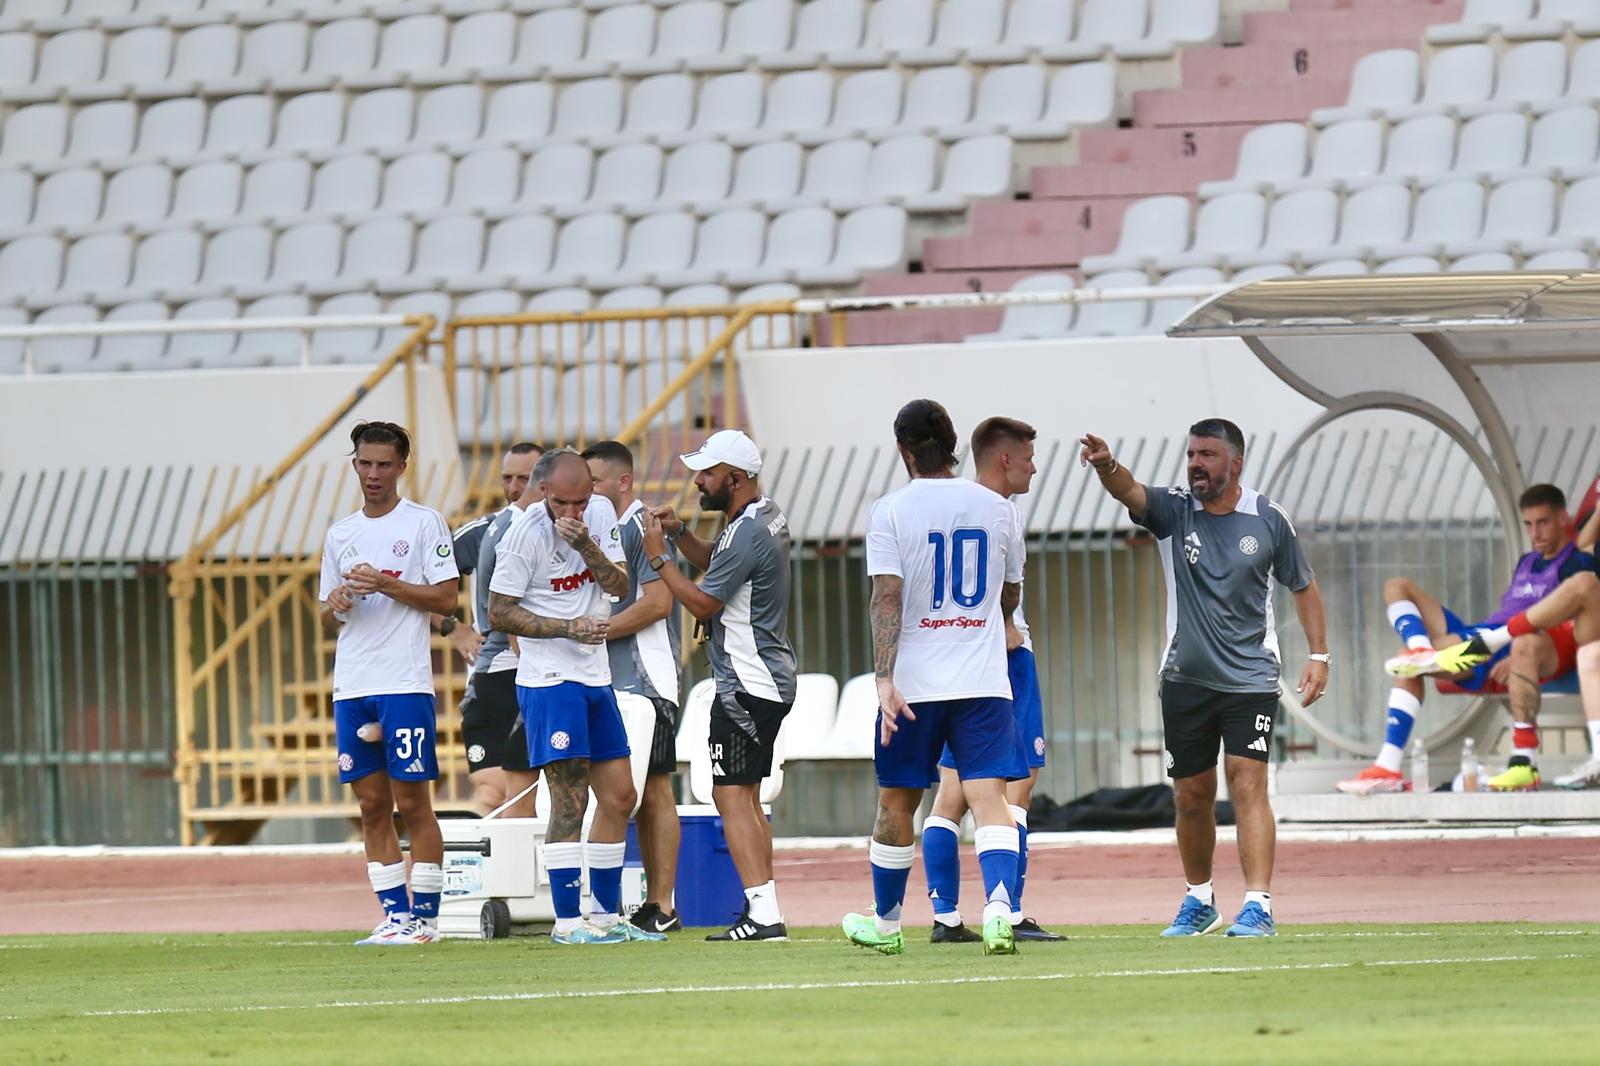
(950, 566)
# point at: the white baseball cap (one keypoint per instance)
(726, 446)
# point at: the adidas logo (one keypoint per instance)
(717, 770)
(1259, 744)
(416, 766)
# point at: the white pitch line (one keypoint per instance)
(797, 986)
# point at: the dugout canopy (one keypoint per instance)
(1492, 359)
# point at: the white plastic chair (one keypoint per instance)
(855, 727)
(1027, 322)
(1268, 154)
(1449, 212)
(1456, 77)
(1226, 225)
(1152, 227)
(1379, 82)
(1031, 25)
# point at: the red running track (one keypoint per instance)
(1410, 881)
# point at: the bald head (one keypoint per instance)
(566, 482)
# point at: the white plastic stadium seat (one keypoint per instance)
(418, 182)
(1379, 82)
(1083, 94)
(1345, 151)
(1449, 212)
(34, 134)
(976, 168)
(589, 109)
(486, 180)
(134, 351)
(892, 26)
(1518, 211)
(65, 198)
(379, 119)
(273, 347)
(204, 349)
(1163, 313)
(617, 37)
(94, 264)
(963, 24)
(870, 239)
(1031, 25)
(900, 168)
(686, 32)
(729, 103)
(447, 246)
(935, 98)
(1152, 227)
(1268, 154)
(1456, 77)
(626, 174)
(809, 724)
(662, 243)
(1479, 21)
(1226, 225)
(768, 173)
(800, 100)
(1027, 322)
(755, 28)
(450, 114)
(1579, 227)
(518, 245)
(588, 245)
(65, 355)
(346, 185)
(1533, 75)
(137, 194)
(1298, 222)
(727, 241)
(1175, 24)
(1555, 17)
(302, 255)
(797, 240)
(1008, 96)
(519, 114)
(821, 26)
(866, 100)
(1374, 217)
(30, 266)
(660, 105)
(855, 727)
(1488, 144)
(1102, 26)
(346, 345)
(1565, 141)
(696, 173)
(1418, 148)
(1113, 317)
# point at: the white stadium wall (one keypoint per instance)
(166, 454)
(822, 416)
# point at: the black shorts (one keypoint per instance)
(744, 730)
(664, 743)
(491, 724)
(1196, 719)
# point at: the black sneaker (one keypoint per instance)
(747, 928)
(953, 934)
(1028, 929)
(651, 919)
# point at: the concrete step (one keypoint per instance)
(925, 327)
(1283, 62)
(1246, 106)
(1325, 25)
(1160, 146)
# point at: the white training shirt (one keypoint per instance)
(1016, 616)
(553, 581)
(382, 649)
(954, 543)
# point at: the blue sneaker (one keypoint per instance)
(1194, 919)
(1253, 921)
(588, 934)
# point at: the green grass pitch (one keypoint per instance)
(1438, 993)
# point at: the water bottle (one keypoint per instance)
(1469, 766)
(1419, 768)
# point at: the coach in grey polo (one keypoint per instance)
(1223, 547)
(743, 600)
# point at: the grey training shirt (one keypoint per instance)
(749, 572)
(647, 662)
(1219, 571)
(495, 643)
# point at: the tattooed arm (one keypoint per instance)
(507, 614)
(610, 575)
(886, 621)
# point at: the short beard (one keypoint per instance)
(1213, 493)
(716, 501)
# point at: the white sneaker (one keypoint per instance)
(1585, 776)
(416, 931)
(391, 927)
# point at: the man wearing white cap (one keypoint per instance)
(743, 600)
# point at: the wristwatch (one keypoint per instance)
(447, 626)
(1320, 657)
(659, 561)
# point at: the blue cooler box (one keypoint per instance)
(709, 892)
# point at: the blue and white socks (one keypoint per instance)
(941, 862)
(605, 882)
(1020, 816)
(1406, 617)
(891, 869)
(389, 884)
(564, 863)
(1403, 711)
(997, 857)
(427, 883)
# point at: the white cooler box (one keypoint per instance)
(494, 873)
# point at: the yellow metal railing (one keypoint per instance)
(254, 670)
(658, 379)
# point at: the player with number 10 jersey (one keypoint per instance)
(945, 557)
(952, 542)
